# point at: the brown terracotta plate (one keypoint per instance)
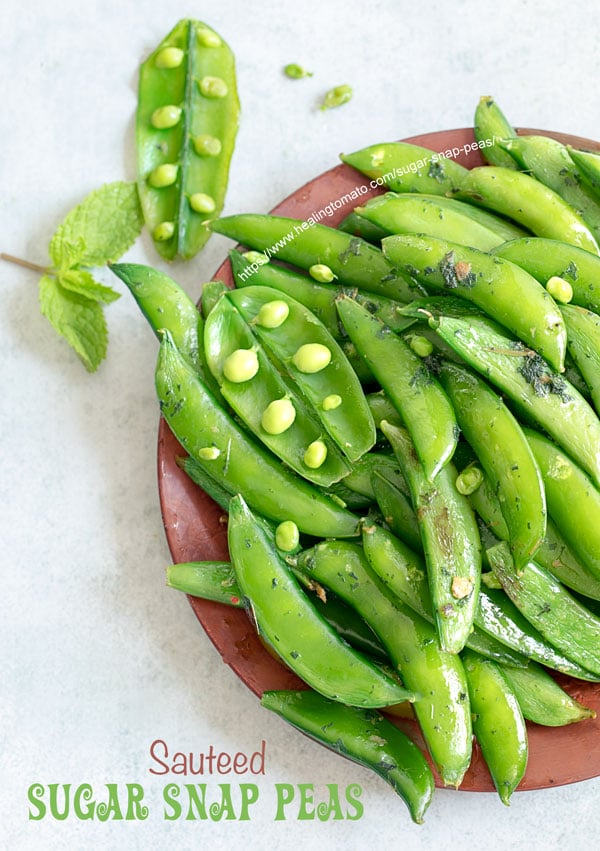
(195, 530)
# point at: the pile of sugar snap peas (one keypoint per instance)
(402, 423)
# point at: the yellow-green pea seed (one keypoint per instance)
(241, 365)
(315, 455)
(169, 57)
(213, 87)
(469, 480)
(206, 145)
(273, 314)
(278, 416)
(559, 289)
(421, 346)
(312, 357)
(163, 175)
(166, 116)
(337, 96)
(163, 231)
(296, 72)
(202, 203)
(331, 402)
(321, 273)
(287, 536)
(207, 38)
(255, 257)
(209, 453)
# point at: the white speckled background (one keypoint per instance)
(98, 658)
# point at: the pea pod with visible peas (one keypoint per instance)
(186, 125)
(498, 723)
(270, 407)
(504, 291)
(437, 678)
(450, 539)
(539, 393)
(353, 262)
(409, 385)
(365, 737)
(288, 621)
(233, 459)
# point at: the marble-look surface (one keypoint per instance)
(98, 657)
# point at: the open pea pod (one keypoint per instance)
(267, 404)
(316, 364)
(186, 124)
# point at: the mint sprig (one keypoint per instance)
(96, 232)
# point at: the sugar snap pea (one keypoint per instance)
(588, 163)
(504, 291)
(583, 343)
(436, 677)
(315, 363)
(541, 698)
(498, 723)
(451, 542)
(560, 618)
(502, 449)
(529, 202)
(365, 737)
(211, 293)
(397, 509)
(186, 126)
(413, 213)
(539, 393)
(546, 258)
(226, 336)
(573, 500)
(210, 580)
(234, 460)
(354, 262)
(359, 226)
(416, 394)
(403, 167)
(288, 621)
(490, 125)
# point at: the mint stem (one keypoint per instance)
(43, 270)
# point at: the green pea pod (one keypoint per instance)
(360, 479)
(211, 293)
(436, 677)
(560, 618)
(397, 510)
(353, 262)
(504, 291)
(318, 298)
(588, 164)
(538, 393)
(502, 448)
(316, 365)
(412, 213)
(365, 737)
(542, 700)
(490, 125)
(359, 226)
(403, 167)
(546, 258)
(382, 408)
(199, 474)
(288, 621)
(528, 202)
(498, 723)
(498, 616)
(211, 580)
(450, 539)
(548, 160)
(583, 342)
(234, 460)
(186, 124)
(402, 571)
(350, 626)
(573, 501)
(408, 383)
(226, 335)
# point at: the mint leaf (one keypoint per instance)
(78, 319)
(65, 254)
(82, 282)
(108, 220)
